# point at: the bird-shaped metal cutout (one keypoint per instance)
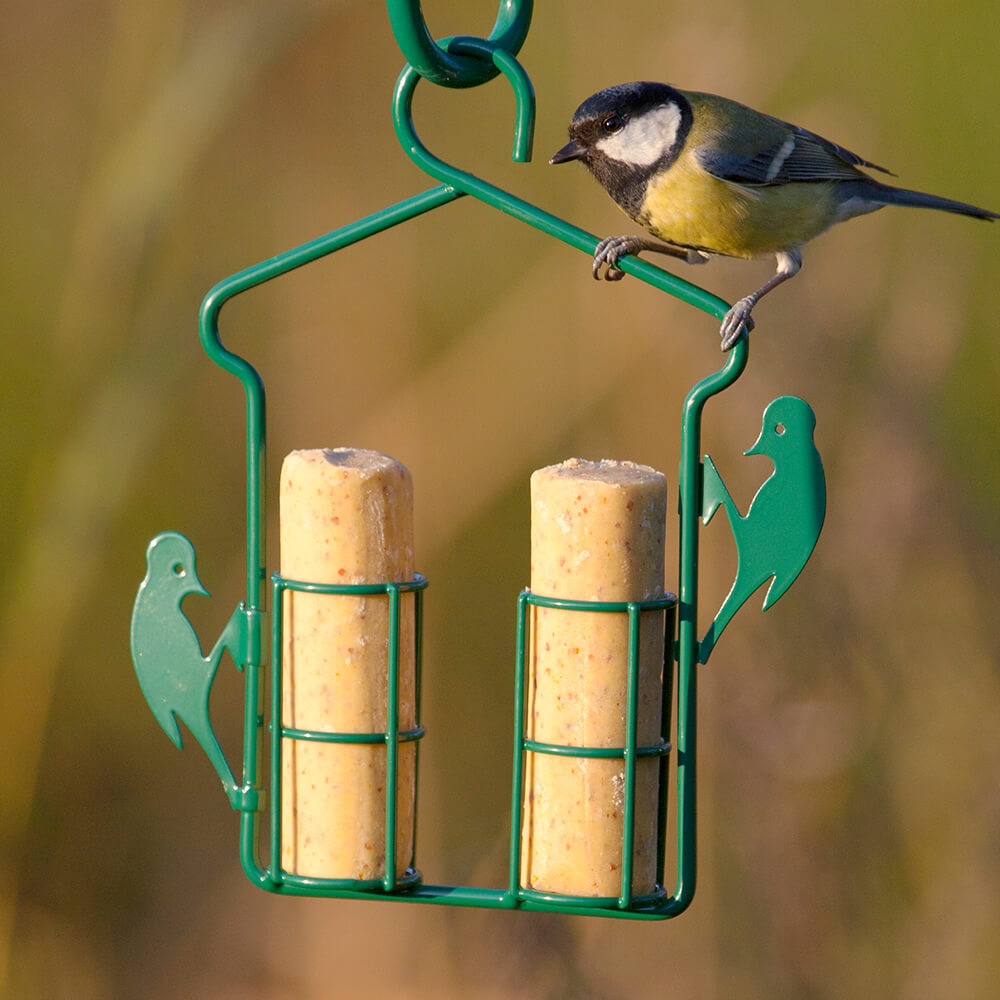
(174, 676)
(778, 533)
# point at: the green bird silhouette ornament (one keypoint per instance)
(174, 676)
(779, 531)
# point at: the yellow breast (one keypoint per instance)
(687, 206)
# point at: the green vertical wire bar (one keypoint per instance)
(629, 760)
(666, 715)
(277, 653)
(392, 740)
(253, 722)
(418, 656)
(517, 780)
(687, 625)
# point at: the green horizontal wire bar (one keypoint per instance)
(561, 750)
(612, 607)
(321, 246)
(658, 907)
(313, 885)
(319, 736)
(448, 895)
(555, 900)
(419, 582)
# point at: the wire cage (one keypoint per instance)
(176, 678)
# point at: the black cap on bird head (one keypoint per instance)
(607, 112)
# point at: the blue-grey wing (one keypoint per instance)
(801, 155)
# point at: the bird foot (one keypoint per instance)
(611, 250)
(737, 322)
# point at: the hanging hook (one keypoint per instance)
(524, 94)
(450, 68)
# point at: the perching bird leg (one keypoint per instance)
(611, 250)
(738, 318)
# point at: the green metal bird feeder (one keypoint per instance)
(774, 539)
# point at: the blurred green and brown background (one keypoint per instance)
(849, 740)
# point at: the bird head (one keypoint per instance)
(627, 133)
(788, 422)
(170, 562)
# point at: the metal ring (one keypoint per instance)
(430, 59)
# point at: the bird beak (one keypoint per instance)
(573, 150)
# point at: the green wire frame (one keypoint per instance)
(454, 184)
(657, 903)
(409, 886)
(391, 738)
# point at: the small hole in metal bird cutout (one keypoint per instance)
(178, 569)
(779, 429)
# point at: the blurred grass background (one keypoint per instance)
(850, 757)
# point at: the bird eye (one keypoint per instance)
(178, 569)
(613, 123)
(779, 429)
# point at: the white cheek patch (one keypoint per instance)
(644, 139)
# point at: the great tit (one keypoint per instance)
(710, 176)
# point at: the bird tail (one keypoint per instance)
(888, 195)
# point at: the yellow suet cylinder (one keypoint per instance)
(346, 517)
(597, 534)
